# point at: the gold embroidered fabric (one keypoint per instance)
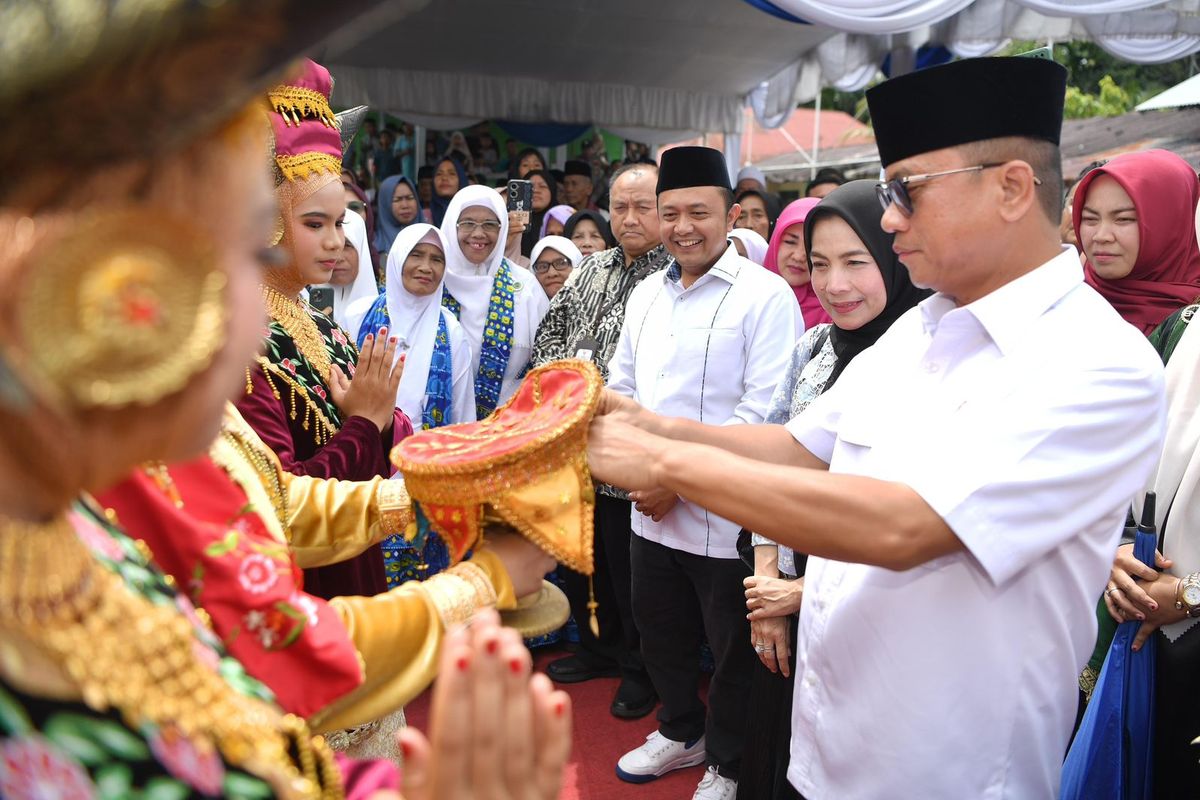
(296, 102)
(458, 592)
(301, 166)
(526, 464)
(395, 509)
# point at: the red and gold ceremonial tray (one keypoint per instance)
(526, 465)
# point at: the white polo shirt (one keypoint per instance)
(1027, 420)
(712, 352)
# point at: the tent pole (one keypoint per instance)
(418, 149)
(816, 145)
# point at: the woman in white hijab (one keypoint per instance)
(553, 260)
(437, 386)
(750, 244)
(353, 277)
(498, 303)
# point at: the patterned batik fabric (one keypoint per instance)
(439, 387)
(426, 555)
(405, 561)
(496, 347)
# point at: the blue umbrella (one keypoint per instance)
(1110, 758)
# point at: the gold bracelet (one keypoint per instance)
(485, 593)
(452, 596)
(395, 507)
(459, 592)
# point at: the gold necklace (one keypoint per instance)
(124, 652)
(295, 320)
(266, 470)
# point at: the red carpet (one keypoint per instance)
(599, 740)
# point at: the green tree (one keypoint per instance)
(1100, 84)
(1112, 101)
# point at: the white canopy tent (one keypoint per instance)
(652, 70)
(658, 71)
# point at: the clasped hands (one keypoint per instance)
(497, 731)
(771, 602)
(1150, 598)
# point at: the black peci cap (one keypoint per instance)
(684, 167)
(967, 101)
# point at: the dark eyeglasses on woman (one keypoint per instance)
(558, 264)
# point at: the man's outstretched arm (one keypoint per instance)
(843, 517)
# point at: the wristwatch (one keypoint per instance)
(1187, 595)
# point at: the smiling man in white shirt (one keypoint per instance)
(961, 489)
(706, 339)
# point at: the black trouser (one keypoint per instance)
(678, 597)
(1176, 711)
(618, 642)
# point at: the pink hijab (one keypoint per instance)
(792, 216)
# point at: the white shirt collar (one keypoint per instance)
(1005, 313)
(727, 267)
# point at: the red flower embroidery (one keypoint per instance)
(277, 627)
(319, 391)
(288, 365)
(257, 574)
(339, 337)
(197, 766)
(32, 768)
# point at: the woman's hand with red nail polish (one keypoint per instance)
(495, 731)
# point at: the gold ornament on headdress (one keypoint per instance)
(124, 309)
(296, 102)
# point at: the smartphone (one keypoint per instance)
(520, 198)
(321, 298)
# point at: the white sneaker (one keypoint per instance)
(715, 787)
(658, 756)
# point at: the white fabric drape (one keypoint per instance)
(466, 96)
(873, 16)
(1142, 31)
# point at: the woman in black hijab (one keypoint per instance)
(864, 288)
(590, 232)
(857, 204)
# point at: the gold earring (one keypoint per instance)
(124, 309)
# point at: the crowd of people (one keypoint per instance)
(869, 454)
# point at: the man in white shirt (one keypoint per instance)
(706, 339)
(961, 489)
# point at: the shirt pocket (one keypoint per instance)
(705, 348)
(862, 435)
